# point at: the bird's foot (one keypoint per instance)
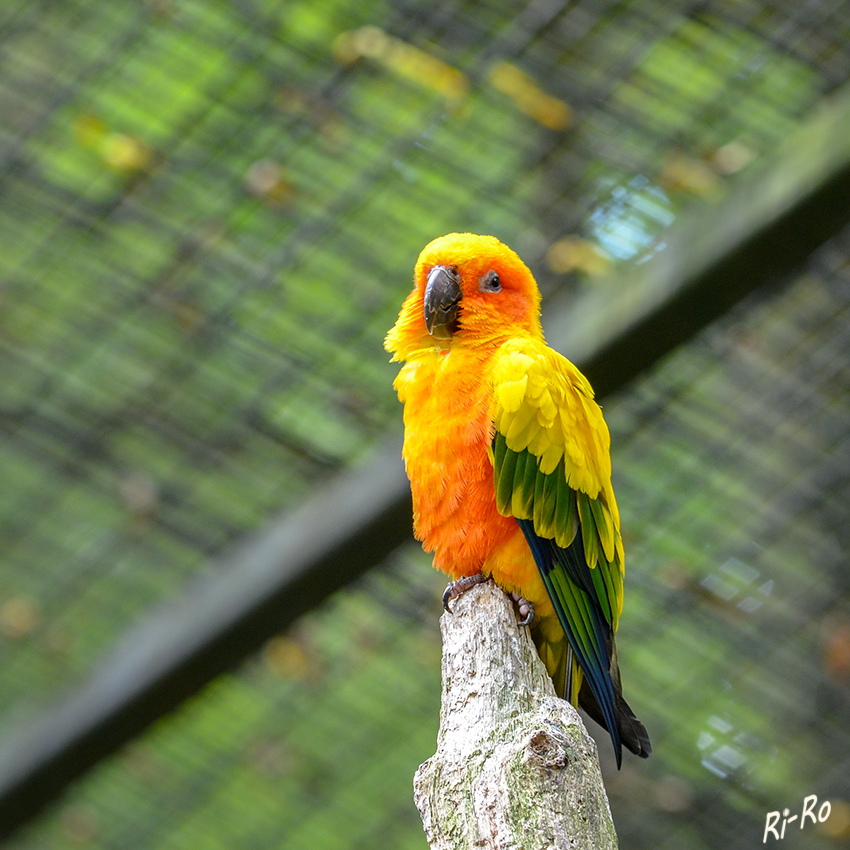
(456, 588)
(526, 609)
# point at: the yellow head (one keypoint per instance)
(469, 290)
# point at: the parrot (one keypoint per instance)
(508, 457)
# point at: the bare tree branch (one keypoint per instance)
(515, 768)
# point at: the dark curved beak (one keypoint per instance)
(442, 301)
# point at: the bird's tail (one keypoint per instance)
(569, 682)
(633, 734)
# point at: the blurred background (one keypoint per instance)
(210, 215)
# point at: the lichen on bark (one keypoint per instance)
(514, 769)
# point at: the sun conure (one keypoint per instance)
(508, 458)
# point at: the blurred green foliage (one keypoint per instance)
(211, 216)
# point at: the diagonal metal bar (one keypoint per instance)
(259, 589)
(761, 233)
(757, 237)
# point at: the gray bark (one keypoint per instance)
(515, 768)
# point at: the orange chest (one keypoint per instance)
(448, 420)
(447, 405)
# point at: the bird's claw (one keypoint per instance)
(526, 609)
(456, 588)
(464, 583)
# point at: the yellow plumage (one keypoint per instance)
(508, 458)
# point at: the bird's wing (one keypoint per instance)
(552, 469)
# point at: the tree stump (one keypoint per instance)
(515, 769)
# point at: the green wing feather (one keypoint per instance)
(552, 472)
(557, 477)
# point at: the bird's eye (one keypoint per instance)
(490, 282)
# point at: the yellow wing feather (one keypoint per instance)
(542, 399)
(554, 433)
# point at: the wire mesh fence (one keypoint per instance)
(733, 459)
(732, 469)
(210, 213)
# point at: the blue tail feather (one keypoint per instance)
(566, 574)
